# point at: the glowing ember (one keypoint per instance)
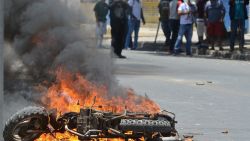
(73, 91)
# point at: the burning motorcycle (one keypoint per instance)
(90, 124)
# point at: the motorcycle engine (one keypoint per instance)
(86, 121)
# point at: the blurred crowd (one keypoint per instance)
(177, 19)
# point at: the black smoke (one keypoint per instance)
(40, 36)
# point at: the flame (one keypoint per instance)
(71, 92)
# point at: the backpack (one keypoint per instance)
(164, 9)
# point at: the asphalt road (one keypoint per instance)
(208, 96)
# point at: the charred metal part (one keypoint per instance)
(67, 118)
(86, 135)
(117, 132)
(83, 120)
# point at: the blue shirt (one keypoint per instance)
(239, 9)
(215, 10)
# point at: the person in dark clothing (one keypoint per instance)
(174, 22)
(119, 11)
(101, 11)
(238, 14)
(201, 28)
(164, 19)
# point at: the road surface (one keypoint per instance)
(208, 96)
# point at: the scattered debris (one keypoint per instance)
(188, 137)
(225, 132)
(203, 82)
(210, 82)
(200, 83)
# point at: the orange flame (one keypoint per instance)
(73, 91)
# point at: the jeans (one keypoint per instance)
(166, 29)
(133, 25)
(174, 28)
(101, 29)
(187, 31)
(240, 23)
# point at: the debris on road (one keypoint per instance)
(225, 132)
(188, 137)
(200, 83)
(210, 82)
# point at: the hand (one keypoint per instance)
(143, 22)
(185, 12)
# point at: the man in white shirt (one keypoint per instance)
(134, 22)
(186, 11)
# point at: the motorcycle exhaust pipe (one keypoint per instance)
(87, 134)
(170, 139)
(117, 132)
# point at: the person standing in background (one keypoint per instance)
(238, 14)
(174, 22)
(186, 10)
(118, 20)
(201, 28)
(214, 13)
(101, 11)
(164, 10)
(134, 21)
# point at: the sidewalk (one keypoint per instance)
(147, 37)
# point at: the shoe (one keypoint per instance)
(122, 57)
(171, 52)
(241, 48)
(181, 51)
(167, 42)
(198, 43)
(212, 48)
(221, 49)
(176, 52)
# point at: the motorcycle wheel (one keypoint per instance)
(154, 139)
(26, 125)
(145, 125)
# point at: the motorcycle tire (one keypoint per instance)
(28, 119)
(155, 139)
(145, 125)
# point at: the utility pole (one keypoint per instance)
(1, 69)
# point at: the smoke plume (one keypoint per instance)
(42, 35)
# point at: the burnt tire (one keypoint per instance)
(30, 118)
(154, 139)
(145, 125)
